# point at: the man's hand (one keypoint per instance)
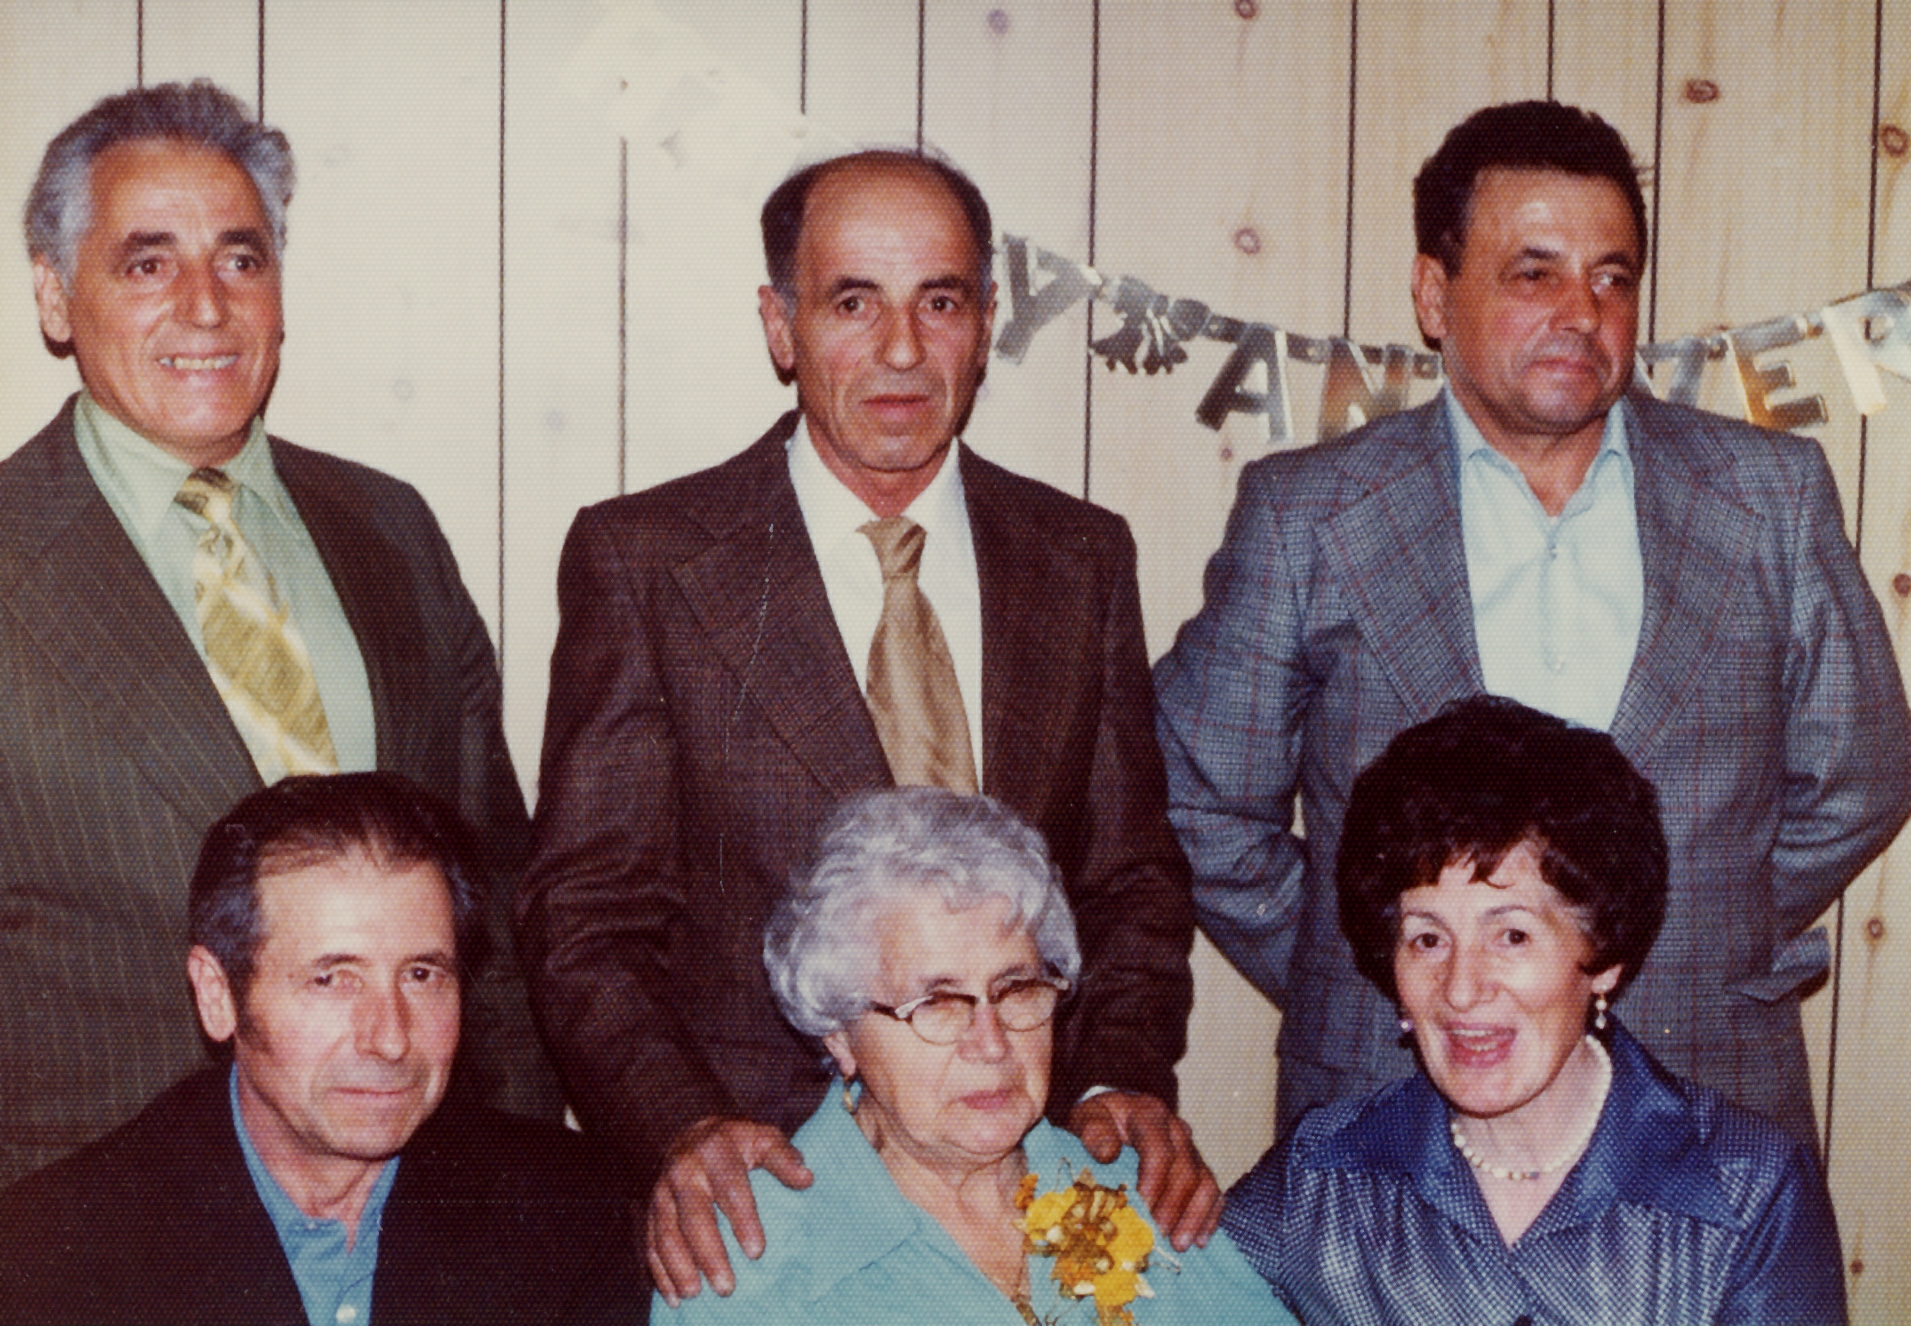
(1176, 1183)
(709, 1166)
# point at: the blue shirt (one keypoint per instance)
(851, 1250)
(334, 1281)
(1685, 1209)
(1557, 600)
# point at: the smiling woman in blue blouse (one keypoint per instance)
(1501, 875)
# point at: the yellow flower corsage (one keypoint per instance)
(1099, 1242)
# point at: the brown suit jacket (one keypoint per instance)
(116, 755)
(704, 716)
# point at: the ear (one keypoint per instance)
(212, 993)
(1608, 980)
(837, 1043)
(777, 330)
(988, 330)
(49, 292)
(1430, 296)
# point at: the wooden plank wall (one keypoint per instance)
(523, 258)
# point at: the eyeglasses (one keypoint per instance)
(943, 1017)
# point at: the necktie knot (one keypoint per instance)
(208, 493)
(898, 542)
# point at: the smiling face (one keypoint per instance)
(1490, 973)
(949, 1108)
(888, 336)
(1537, 329)
(346, 1033)
(173, 308)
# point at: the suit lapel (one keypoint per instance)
(378, 604)
(1037, 601)
(1695, 545)
(1398, 556)
(86, 599)
(757, 591)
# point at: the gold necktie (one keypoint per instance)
(913, 695)
(254, 651)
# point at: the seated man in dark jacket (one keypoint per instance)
(335, 925)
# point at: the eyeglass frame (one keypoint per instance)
(905, 1012)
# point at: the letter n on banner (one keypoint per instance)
(1348, 399)
(1258, 344)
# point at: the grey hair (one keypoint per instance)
(897, 846)
(201, 113)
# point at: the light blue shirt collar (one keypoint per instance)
(334, 1281)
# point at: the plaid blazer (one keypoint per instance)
(1764, 702)
(117, 754)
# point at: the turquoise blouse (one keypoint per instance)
(851, 1249)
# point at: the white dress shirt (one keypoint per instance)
(852, 573)
(1557, 600)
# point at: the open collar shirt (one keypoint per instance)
(852, 573)
(139, 481)
(335, 1281)
(1557, 600)
(1684, 1209)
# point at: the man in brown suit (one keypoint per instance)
(706, 713)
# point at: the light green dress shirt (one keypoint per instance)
(139, 481)
(1557, 600)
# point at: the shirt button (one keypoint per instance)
(347, 1312)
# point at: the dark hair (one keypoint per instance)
(1477, 780)
(1519, 135)
(59, 209)
(310, 819)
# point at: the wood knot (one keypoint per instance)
(1901, 584)
(1893, 141)
(1874, 929)
(1246, 8)
(1698, 91)
(1247, 239)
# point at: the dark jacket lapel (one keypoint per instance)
(757, 592)
(1037, 599)
(77, 587)
(378, 600)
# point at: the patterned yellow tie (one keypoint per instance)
(254, 651)
(913, 695)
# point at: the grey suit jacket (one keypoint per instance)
(1763, 701)
(704, 717)
(116, 755)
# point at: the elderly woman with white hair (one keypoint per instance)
(927, 946)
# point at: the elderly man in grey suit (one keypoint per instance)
(190, 609)
(1678, 579)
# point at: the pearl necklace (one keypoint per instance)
(1480, 1162)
